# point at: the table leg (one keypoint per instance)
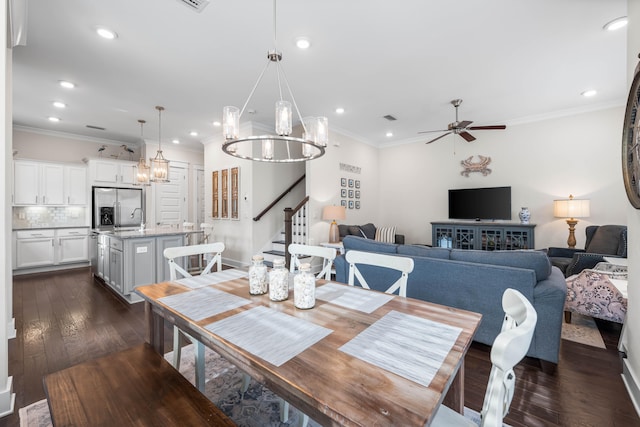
(454, 398)
(155, 328)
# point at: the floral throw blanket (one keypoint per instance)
(592, 294)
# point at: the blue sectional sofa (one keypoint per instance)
(475, 281)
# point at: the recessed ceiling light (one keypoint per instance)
(175, 141)
(303, 43)
(67, 84)
(106, 33)
(54, 119)
(217, 124)
(59, 104)
(339, 110)
(616, 24)
(588, 93)
(389, 134)
(193, 133)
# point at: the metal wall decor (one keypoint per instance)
(631, 143)
(469, 166)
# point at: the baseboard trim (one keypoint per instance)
(11, 328)
(630, 381)
(7, 399)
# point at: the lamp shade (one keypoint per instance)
(331, 213)
(571, 208)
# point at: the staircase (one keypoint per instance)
(299, 233)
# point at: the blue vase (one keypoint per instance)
(524, 215)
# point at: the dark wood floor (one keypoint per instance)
(65, 318)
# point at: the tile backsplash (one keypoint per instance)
(49, 216)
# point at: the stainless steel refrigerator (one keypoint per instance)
(117, 207)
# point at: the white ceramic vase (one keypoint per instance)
(524, 215)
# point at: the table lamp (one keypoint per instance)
(571, 208)
(331, 213)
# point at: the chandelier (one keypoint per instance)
(143, 170)
(280, 147)
(159, 165)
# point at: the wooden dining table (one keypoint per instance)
(358, 358)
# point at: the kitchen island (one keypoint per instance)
(125, 259)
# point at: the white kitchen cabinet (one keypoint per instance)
(37, 183)
(75, 185)
(73, 245)
(41, 183)
(34, 248)
(50, 247)
(112, 172)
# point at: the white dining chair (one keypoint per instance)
(509, 348)
(327, 255)
(176, 271)
(403, 264)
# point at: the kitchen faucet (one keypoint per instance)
(141, 217)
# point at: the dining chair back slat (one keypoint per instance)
(172, 254)
(327, 255)
(402, 264)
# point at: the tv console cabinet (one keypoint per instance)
(487, 236)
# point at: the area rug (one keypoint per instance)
(583, 330)
(258, 407)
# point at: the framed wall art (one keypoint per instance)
(343, 182)
(215, 191)
(343, 193)
(224, 211)
(235, 189)
(343, 203)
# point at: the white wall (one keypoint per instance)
(323, 183)
(541, 161)
(631, 336)
(60, 147)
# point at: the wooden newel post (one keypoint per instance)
(288, 234)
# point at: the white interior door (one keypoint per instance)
(171, 197)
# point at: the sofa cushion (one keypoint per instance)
(424, 251)
(386, 234)
(532, 260)
(605, 240)
(367, 245)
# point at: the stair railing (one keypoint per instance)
(296, 227)
(277, 199)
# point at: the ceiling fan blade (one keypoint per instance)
(430, 131)
(441, 136)
(488, 127)
(467, 136)
(463, 124)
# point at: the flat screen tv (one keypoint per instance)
(480, 203)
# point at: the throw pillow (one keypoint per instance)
(354, 230)
(605, 240)
(386, 234)
(369, 231)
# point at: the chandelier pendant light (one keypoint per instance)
(159, 165)
(280, 147)
(143, 170)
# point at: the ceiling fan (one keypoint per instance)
(461, 128)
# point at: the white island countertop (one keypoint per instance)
(148, 232)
